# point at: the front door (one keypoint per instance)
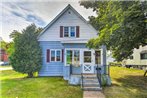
(87, 66)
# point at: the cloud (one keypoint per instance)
(35, 19)
(16, 15)
(28, 15)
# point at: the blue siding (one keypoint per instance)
(66, 72)
(76, 70)
(51, 68)
(58, 68)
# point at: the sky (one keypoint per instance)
(17, 14)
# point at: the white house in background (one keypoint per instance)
(64, 51)
(139, 57)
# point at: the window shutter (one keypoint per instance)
(62, 55)
(48, 55)
(61, 31)
(77, 31)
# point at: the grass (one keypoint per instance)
(15, 85)
(6, 66)
(126, 83)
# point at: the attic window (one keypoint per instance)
(69, 12)
(70, 31)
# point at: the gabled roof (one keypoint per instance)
(60, 14)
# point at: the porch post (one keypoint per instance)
(104, 58)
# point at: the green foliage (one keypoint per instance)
(121, 24)
(3, 45)
(8, 47)
(104, 80)
(27, 52)
(14, 34)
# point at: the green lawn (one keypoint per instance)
(6, 66)
(126, 83)
(15, 85)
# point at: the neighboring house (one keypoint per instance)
(64, 51)
(3, 55)
(139, 57)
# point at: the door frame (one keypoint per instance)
(86, 64)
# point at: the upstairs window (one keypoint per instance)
(131, 57)
(70, 31)
(143, 56)
(66, 31)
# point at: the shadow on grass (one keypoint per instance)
(136, 82)
(131, 87)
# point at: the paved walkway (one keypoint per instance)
(93, 94)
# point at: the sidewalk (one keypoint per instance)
(93, 94)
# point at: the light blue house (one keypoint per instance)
(64, 51)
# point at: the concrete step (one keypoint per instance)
(91, 85)
(92, 88)
(85, 77)
(89, 75)
(90, 81)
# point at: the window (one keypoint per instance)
(52, 55)
(76, 60)
(55, 55)
(69, 56)
(66, 31)
(97, 57)
(87, 56)
(70, 31)
(143, 55)
(58, 55)
(131, 57)
(73, 57)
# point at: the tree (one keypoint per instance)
(122, 26)
(14, 34)
(27, 52)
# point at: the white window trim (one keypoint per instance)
(56, 55)
(100, 56)
(69, 32)
(91, 57)
(72, 49)
(81, 55)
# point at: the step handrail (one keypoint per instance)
(99, 75)
(82, 80)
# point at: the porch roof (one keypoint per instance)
(75, 41)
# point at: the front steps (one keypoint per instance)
(90, 82)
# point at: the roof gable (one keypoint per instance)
(60, 14)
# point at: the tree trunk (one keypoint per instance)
(30, 75)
